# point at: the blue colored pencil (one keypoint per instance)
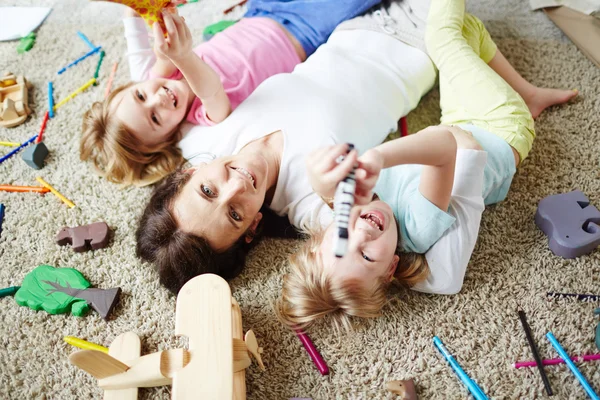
(86, 40)
(50, 100)
(462, 375)
(563, 354)
(1, 217)
(86, 55)
(21, 147)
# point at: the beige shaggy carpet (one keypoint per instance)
(511, 263)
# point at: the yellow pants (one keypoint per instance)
(470, 91)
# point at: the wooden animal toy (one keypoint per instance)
(14, 109)
(405, 389)
(62, 290)
(212, 367)
(571, 223)
(85, 237)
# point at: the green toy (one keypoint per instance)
(60, 290)
(213, 29)
(597, 312)
(26, 43)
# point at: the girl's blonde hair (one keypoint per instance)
(117, 155)
(309, 294)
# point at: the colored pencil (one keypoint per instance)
(593, 297)
(230, 9)
(534, 350)
(83, 57)
(10, 144)
(563, 354)
(21, 189)
(110, 79)
(86, 40)
(313, 353)
(1, 216)
(15, 151)
(51, 99)
(9, 291)
(56, 192)
(42, 128)
(462, 375)
(84, 344)
(102, 54)
(555, 361)
(75, 93)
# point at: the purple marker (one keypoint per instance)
(313, 353)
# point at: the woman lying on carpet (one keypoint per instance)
(131, 136)
(372, 71)
(433, 208)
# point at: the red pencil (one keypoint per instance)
(42, 128)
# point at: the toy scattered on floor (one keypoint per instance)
(86, 40)
(10, 144)
(583, 297)
(15, 151)
(35, 154)
(40, 135)
(102, 54)
(563, 354)
(26, 43)
(571, 223)
(313, 353)
(13, 100)
(75, 93)
(150, 10)
(110, 79)
(212, 30)
(1, 217)
(230, 9)
(12, 188)
(62, 290)
(77, 61)
(84, 344)
(534, 351)
(82, 238)
(473, 388)
(55, 192)
(597, 312)
(342, 204)
(213, 366)
(51, 99)
(556, 361)
(405, 389)
(9, 291)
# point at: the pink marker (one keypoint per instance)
(313, 353)
(554, 361)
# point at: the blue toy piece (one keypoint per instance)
(571, 223)
(597, 312)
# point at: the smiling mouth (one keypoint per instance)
(171, 95)
(247, 174)
(373, 220)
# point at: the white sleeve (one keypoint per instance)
(449, 256)
(139, 54)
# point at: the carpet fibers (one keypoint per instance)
(511, 264)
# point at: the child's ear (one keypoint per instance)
(193, 169)
(251, 232)
(392, 267)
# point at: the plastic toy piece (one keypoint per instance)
(11, 188)
(55, 192)
(110, 79)
(405, 389)
(86, 40)
(597, 312)
(93, 236)
(150, 10)
(313, 352)
(84, 344)
(77, 61)
(75, 93)
(102, 54)
(35, 155)
(230, 9)
(1, 217)
(571, 223)
(60, 290)
(215, 28)
(26, 43)
(10, 144)
(15, 151)
(51, 99)
(13, 100)
(212, 367)
(9, 291)
(342, 204)
(42, 128)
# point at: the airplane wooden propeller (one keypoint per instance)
(213, 366)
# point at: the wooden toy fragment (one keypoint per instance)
(405, 389)
(571, 223)
(149, 10)
(85, 237)
(14, 109)
(62, 290)
(211, 368)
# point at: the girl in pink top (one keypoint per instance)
(131, 136)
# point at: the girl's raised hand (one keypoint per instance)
(178, 43)
(324, 172)
(367, 173)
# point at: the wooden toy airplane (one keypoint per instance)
(213, 367)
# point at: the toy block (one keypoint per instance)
(405, 389)
(82, 238)
(571, 223)
(9, 110)
(13, 100)
(35, 155)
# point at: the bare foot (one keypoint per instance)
(542, 98)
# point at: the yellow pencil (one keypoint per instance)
(75, 93)
(84, 344)
(10, 144)
(55, 192)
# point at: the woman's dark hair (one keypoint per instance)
(179, 256)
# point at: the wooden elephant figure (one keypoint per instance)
(84, 237)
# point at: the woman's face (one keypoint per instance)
(221, 201)
(372, 243)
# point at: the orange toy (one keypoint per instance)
(13, 100)
(150, 10)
